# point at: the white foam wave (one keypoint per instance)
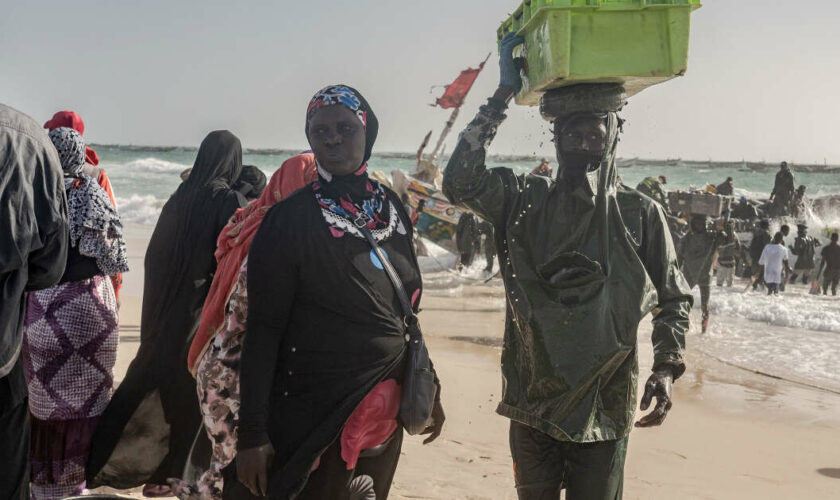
(753, 195)
(794, 308)
(140, 209)
(793, 335)
(440, 276)
(154, 165)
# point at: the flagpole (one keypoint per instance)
(454, 115)
(445, 132)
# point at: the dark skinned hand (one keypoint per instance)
(252, 468)
(659, 386)
(438, 418)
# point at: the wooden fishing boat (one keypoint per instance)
(438, 218)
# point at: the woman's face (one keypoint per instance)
(337, 138)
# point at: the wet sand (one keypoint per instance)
(731, 434)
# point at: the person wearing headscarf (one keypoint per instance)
(251, 182)
(71, 119)
(145, 434)
(325, 353)
(583, 260)
(72, 332)
(91, 168)
(215, 353)
(33, 254)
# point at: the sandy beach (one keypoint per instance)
(731, 434)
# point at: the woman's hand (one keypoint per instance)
(508, 70)
(252, 468)
(438, 418)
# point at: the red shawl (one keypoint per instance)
(235, 241)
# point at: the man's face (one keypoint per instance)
(698, 225)
(581, 142)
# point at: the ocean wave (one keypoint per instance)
(153, 165)
(140, 209)
(794, 309)
(793, 335)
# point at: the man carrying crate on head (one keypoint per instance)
(583, 259)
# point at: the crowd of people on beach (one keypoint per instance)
(280, 353)
(707, 247)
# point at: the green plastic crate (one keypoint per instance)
(635, 42)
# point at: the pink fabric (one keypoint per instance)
(372, 422)
(235, 241)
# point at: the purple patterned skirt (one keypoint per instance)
(70, 347)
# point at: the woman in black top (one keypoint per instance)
(145, 435)
(323, 320)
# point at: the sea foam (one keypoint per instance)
(154, 165)
(140, 209)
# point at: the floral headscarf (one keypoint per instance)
(71, 149)
(95, 225)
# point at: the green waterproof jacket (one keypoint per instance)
(805, 249)
(697, 254)
(582, 264)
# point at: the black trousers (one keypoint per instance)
(705, 294)
(14, 436)
(831, 279)
(543, 466)
(331, 480)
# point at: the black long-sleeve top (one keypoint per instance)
(323, 329)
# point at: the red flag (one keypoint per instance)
(456, 92)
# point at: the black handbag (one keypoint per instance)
(419, 387)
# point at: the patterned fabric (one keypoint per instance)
(217, 383)
(346, 214)
(70, 347)
(95, 225)
(337, 94)
(339, 225)
(71, 149)
(349, 201)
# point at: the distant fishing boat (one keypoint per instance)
(439, 218)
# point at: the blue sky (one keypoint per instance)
(762, 81)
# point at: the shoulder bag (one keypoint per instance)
(419, 389)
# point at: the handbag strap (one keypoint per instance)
(409, 317)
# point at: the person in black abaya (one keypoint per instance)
(145, 434)
(324, 352)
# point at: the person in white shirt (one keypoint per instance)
(774, 258)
